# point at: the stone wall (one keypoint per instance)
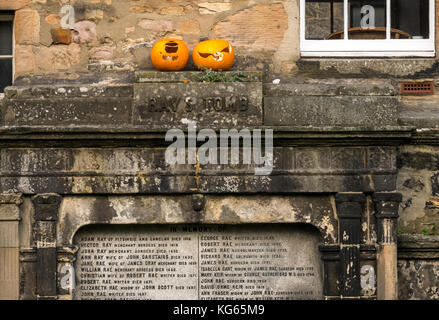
(418, 227)
(118, 34)
(419, 184)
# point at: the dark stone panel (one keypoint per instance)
(132, 170)
(418, 160)
(46, 209)
(28, 272)
(191, 183)
(381, 157)
(350, 271)
(331, 264)
(46, 273)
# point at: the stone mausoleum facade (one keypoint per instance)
(349, 211)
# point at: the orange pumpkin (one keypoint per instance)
(169, 54)
(214, 54)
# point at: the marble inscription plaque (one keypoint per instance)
(198, 262)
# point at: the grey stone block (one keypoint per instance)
(348, 111)
(211, 105)
(72, 111)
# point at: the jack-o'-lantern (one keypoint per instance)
(169, 54)
(214, 54)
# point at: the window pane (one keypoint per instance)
(323, 19)
(412, 17)
(367, 19)
(5, 38)
(5, 73)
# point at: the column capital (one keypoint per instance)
(386, 204)
(350, 205)
(46, 206)
(9, 203)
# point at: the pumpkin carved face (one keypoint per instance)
(169, 54)
(214, 54)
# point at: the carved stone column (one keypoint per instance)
(46, 215)
(386, 212)
(66, 274)
(350, 208)
(9, 245)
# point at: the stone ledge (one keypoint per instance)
(359, 67)
(107, 111)
(188, 76)
(67, 91)
(333, 87)
(421, 116)
(344, 111)
(418, 246)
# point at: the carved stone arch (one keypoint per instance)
(177, 209)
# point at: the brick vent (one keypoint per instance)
(409, 87)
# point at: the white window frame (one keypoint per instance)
(8, 16)
(368, 48)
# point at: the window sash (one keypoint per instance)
(9, 16)
(378, 47)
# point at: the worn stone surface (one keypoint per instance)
(387, 68)
(189, 76)
(132, 170)
(84, 32)
(57, 57)
(214, 7)
(417, 180)
(27, 27)
(335, 111)
(258, 28)
(421, 116)
(13, 4)
(418, 267)
(332, 87)
(59, 111)
(79, 211)
(212, 105)
(418, 280)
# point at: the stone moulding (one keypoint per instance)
(76, 212)
(161, 100)
(143, 170)
(418, 247)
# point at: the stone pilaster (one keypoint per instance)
(46, 215)
(350, 208)
(386, 213)
(66, 273)
(9, 245)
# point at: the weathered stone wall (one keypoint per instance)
(418, 267)
(418, 182)
(418, 246)
(118, 34)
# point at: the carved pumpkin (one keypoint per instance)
(169, 54)
(214, 54)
